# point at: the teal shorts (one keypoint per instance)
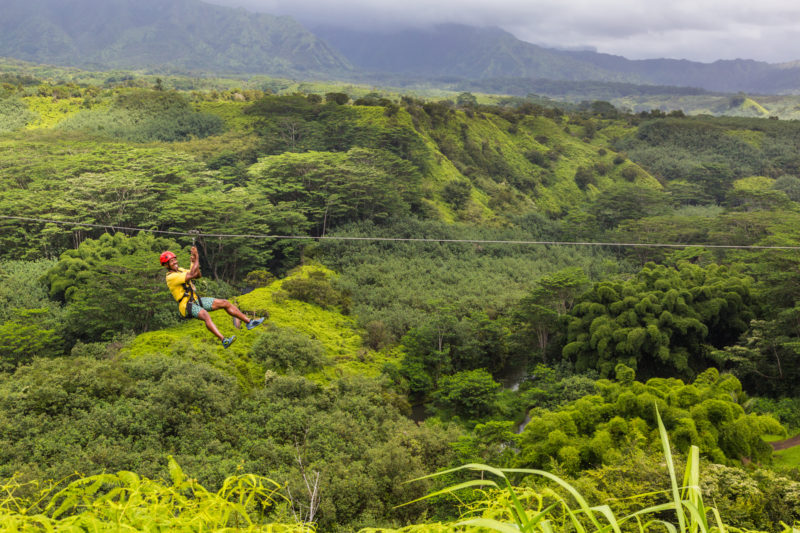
(193, 308)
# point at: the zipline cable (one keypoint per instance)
(195, 233)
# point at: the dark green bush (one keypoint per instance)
(584, 177)
(457, 193)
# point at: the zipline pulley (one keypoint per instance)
(194, 233)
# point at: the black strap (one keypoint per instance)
(188, 291)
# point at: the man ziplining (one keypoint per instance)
(179, 282)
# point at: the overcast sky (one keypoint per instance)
(700, 30)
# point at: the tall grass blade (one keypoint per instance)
(494, 525)
(718, 518)
(676, 497)
(668, 525)
(606, 511)
(453, 488)
(469, 466)
(691, 488)
(569, 488)
(696, 519)
(518, 510)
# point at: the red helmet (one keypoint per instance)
(166, 256)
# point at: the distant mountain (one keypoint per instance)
(491, 53)
(191, 35)
(462, 51)
(174, 34)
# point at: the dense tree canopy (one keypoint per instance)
(662, 322)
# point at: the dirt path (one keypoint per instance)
(783, 444)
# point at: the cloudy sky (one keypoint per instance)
(700, 30)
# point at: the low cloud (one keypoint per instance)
(701, 30)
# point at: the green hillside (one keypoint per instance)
(446, 282)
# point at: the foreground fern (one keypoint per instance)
(126, 501)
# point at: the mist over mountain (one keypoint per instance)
(190, 35)
(178, 34)
(457, 50)
(487, 53)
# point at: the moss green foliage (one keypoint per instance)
(49, 110)
(127, 500)
(599, 428)
(786, 409)
(316, 289)
(142, 116)
(111, 285)
(330, 189)
(538, 316)
(87, 410)
(502, 507)
(469, 394)
(30, 323)
(75, 178)
(325, 335)
(285, 349)
(401, 284)
(662, 322)
(14, 114)
(713, 153)
(759, 500)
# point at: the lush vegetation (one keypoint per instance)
(410, 257)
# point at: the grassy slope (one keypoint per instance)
(336, 332)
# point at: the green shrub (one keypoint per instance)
(14, 114)
(468, 394)
(378, 335)
(584, 177)
(137, 503)
(288, 350)
(787, 410)
(316, 289)
(258, 278)
(629, 173)
(457, 193)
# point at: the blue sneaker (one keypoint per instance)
(228, 341)
(254, 323)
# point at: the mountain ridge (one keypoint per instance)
(195, 36)
(181, 34)
(487, 53)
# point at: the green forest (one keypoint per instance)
(516, 316)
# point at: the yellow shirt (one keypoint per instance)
(176, 283)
